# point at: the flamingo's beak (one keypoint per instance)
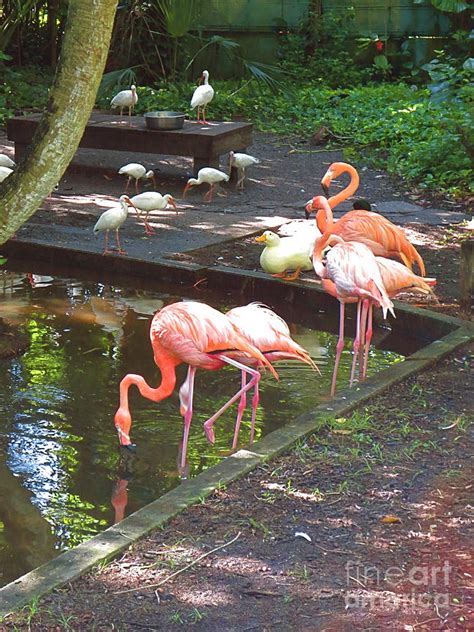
(261, 238)
(308, 209)
(154, 181)
(186, 189)
(201, 79)
(173, 204)
(326, 182)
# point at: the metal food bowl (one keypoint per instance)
(164, 120)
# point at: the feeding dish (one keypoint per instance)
(164, 120)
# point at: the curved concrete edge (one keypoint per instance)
(101, 548)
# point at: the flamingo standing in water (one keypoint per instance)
(269, 333)
(202, 96)
(353, 270)
(207, 175)
(372, 229)
(200, 336)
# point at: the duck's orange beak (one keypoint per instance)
(261, 238)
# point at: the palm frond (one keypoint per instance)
(121, 78)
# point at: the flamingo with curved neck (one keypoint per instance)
(353, 275)
(333, 172)
(372, 229)
(202, 337)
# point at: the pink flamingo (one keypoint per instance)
(376, 231)
(200, 336)
(271, 335)
(353, 269)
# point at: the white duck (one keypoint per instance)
(6, 161)
(202, 96)
(112, 219)
(241, 162)
(284, 253)
(210, 176)
(4, 173)
(152, 201)
(125, 99)
(137, 171)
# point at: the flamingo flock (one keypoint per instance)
(361, 258)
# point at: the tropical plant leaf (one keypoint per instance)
(178, 16)
(121, 78)
(450, 6)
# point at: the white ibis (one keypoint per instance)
(209, 176)
(6, 161)
(137, 171)
(241, 162)
(202, 96)
(112, 219)
(125, 99)
(4, 173)
(152, 201)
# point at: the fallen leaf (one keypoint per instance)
(390, 519)
(341, 431)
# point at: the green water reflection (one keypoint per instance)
(59, 461)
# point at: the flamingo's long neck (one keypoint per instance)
(324, 223)
(349, 190)
(123, 419)
(325, 214)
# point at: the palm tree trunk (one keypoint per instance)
(79, 71)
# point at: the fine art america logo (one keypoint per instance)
(422, 586)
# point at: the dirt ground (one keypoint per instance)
(382, 500)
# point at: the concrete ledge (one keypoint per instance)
(75, 562)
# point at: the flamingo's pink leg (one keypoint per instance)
(187, 406)
(368, 338)
(136, 185)
(363, 324)
(255, 400)
(339, 348)
(208, 425)
(240, 410)
(356, 346)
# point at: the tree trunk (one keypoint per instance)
(53, 7)
(81, 64)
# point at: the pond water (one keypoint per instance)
(62, 477)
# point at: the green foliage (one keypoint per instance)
(451, 78)
(23, 88)
(389, 126)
